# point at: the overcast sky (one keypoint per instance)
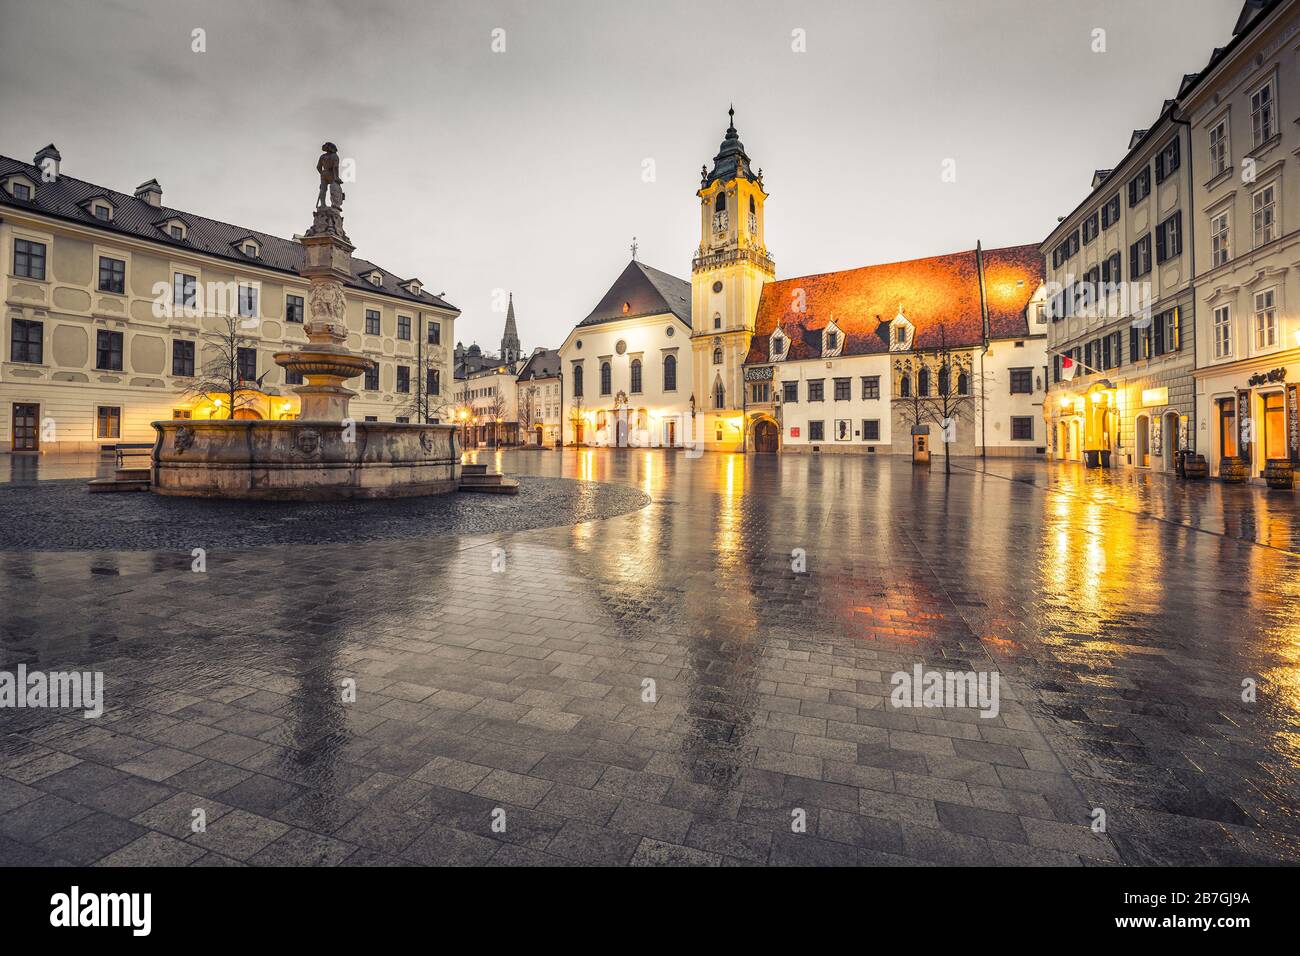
(523, 170)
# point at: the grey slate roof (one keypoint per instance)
(64, 199)
(543, 364)
(646, 291)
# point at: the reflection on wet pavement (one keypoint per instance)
(1121, 642)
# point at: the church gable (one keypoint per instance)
(642, 290)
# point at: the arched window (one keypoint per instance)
(606, 384)
(923, 382)
(720, 204)
(945, 380)
(670, 373)
(717, 355)
(636, 376)
(717, 320)
(719, 395)
(577, 381)
(963, 384)
(905, 386)
(752, 208)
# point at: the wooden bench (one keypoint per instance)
(123, 449)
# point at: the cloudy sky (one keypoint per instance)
(524, 169)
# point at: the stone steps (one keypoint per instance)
(482, 480)
(126, 479)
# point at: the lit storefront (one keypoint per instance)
(1252, 414)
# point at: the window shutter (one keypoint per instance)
(1160, 241)
(1132, 261)
(1133, 345)
(1159, 328)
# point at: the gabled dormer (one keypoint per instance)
(901, 332)
(778, 345)
(175, 228)
(832, 340)
(20, 187)
(100, 207)
(374, 277)
(413, 286)
(249, 246)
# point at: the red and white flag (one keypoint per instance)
(1068, 367)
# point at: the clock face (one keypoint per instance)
(717, 286)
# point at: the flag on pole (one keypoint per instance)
(1068, 368)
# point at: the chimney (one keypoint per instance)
(47, 161)
(150, 192)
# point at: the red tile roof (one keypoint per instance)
(934, 292)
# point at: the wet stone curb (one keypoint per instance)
(63, 516)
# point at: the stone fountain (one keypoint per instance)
(323, 454)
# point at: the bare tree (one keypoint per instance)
(946, 405)
(430, 398)
(577, 419)
(496, 410)
(218, 373)
(530, 413)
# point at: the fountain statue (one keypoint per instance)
(322, 454)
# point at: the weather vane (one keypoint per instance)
(634, 248)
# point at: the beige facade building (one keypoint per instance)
(1122, 316)
(539, 399)
(1244, 110)
(113, 304)
(487, 407)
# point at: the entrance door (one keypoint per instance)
(765, 437)
(620, 427)
(670, 433)
(26, 422)
(1275, 426)
(1142, 442)
(1170, 438)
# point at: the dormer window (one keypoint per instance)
(250, 247)
(101, 209)
(832, 339)
(175, 229)
(376, 278)
(20, 187)
(900, 333)
(779, 345)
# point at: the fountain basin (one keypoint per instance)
(303, 460)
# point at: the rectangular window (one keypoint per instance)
(1139, 187)
(1167, 160)
(108, 351)
(815, 390)
(1022, 428)
(403, 420)
(1222, 331)
(789, 392)
(760, 393)
(404, 328)
(182, 357)
(1227, 427)
(871, 429)
(1139, 257)
(1110, 212)
(842, 390)
(182, 413)
(1090, 229)
(1133, 347)
(372, 321)
(108, 421)
(246, 364)
(293, 309)
(292, 378)
(816, 431)
(1022, 381)
(1110, 272)
(403, 378)
(22, 191)
(247, 300)
(185, 290)
(1264, 204)
(1263, 122)
(1265, 319)
(870, 386)
(29, 259)
(1220, 240)
(1219, 148)
(112, 275)
(27, 342)
(372, 378)
(435, 333)
(432, 381)
(1169, 238)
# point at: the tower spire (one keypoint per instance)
(510, 348)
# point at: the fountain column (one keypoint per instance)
(325, 361)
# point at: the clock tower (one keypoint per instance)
(727, 276)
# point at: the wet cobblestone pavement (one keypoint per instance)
(1121, 616)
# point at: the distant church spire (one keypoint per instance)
(510, 348)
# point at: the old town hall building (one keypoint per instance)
(841, 362)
